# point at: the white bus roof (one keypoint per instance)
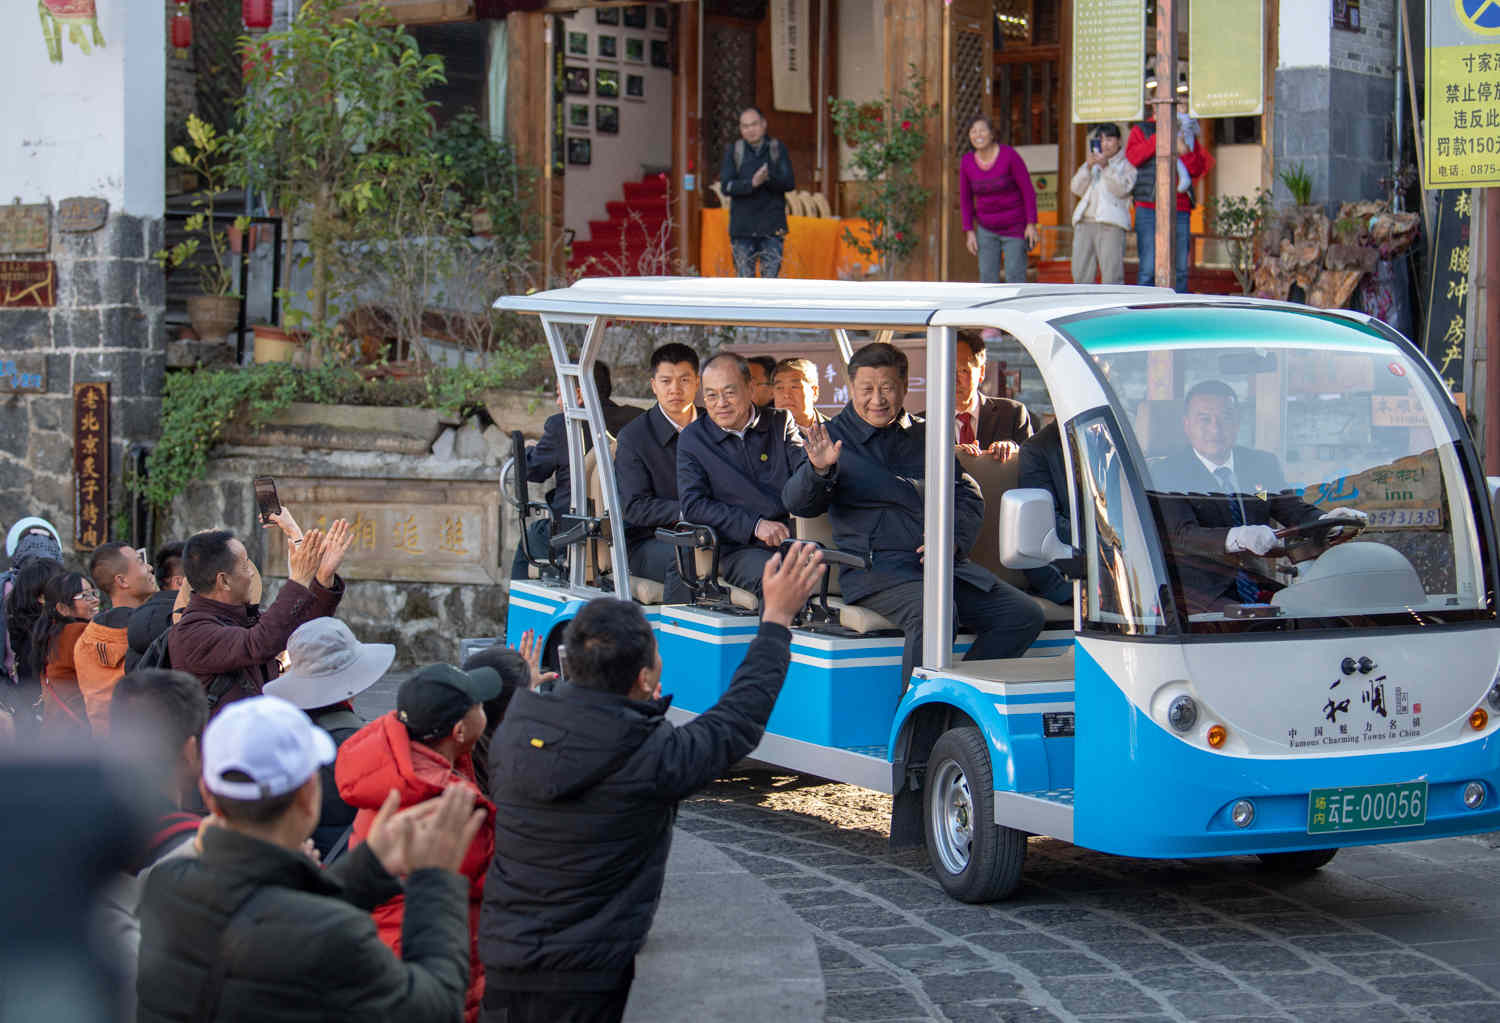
(824, 304)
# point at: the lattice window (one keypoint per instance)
(729, 85)
(969, 75)
(216, 28)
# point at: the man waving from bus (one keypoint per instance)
(865, 469)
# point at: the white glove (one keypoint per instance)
(1254, 539)
(1348, 514)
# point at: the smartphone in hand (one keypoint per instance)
(265, 498)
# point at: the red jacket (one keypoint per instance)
(380, 757)
(1141, 147)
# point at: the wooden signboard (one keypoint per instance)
(404, 530)
(82, 214)
(1447, 340)
(24, 227)
(28, 284)
(1396, 410)
(23, 374)
(90, 465)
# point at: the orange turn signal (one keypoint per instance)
(1478, 719)
(1216, 735)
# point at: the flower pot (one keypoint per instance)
(272, 344)
(213, 316)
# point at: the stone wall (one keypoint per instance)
(1372, 50)
(106, 325)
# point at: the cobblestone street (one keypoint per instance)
(1402, 932)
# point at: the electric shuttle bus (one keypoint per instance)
(1294, 657)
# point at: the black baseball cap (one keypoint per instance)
(437, 697)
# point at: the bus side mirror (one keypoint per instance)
(1028, 530)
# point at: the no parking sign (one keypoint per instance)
(1463, 94)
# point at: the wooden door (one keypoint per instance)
(966, 95)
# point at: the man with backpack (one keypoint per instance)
(756, 175)
(224, 638)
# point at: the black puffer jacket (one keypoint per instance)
(147, 622)
(308, 950)
(586, 786)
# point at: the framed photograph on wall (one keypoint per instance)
(635, 87)
(580, 152)
(607, 15)
(578, 44)
(659, 16)
(578, 116)
(576, 80)
(606, 119)
(635, 49)
(635, 16)
(660, 55)
(606, 83)
(608, 47)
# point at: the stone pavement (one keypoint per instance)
(1406, 932)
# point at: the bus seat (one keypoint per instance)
(646, 591)
(994, 479)
(851, 616)
(1158, 426)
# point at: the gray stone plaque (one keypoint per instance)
(25, 227)
(82, 214)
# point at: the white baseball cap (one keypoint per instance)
(267, 739)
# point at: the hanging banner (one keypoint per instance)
(90, 465)
(791, 37)
(1463, 98)
(1447, 341)
(1109, 65)
(76, 19)
(1228, 43)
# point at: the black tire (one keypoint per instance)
(975, 860)
(1304, 862)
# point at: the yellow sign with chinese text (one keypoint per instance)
(1463, 94)
(1109, 39)
(1228, 44)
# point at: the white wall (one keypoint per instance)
(1304, 37)
(861, 58)
(645, 136)
(91, 125)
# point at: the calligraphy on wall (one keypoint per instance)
(82, 213)
(1447, 342)
(404, 530)
(28, 284)
(25, 227)
(90, 465)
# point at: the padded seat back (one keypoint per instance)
(1158, 426)
(994, 478)
(819, 530)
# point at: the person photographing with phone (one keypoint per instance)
(1103, 184)
(223, 637)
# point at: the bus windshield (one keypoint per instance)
(1298, 468)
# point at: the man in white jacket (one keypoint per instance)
(1102, 214)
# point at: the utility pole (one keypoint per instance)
(1164, 102)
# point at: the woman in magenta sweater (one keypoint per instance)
(998, 204)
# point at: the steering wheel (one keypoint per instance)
(1307, 540)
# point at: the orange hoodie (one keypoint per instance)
(381, 756)
(99, 659)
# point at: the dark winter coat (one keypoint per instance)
(586, 785)
(756, 211)
(147, 622)
(307, 950)
(213, 640)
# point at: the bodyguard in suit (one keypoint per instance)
(985, 424)
(731, 466)
(1042, 467)
(866, 470)
(646, 468)
(1217, 500)
(547, 459)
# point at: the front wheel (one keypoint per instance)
(975, 860)
(1304, 862)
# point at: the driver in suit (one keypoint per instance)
(1218, 500)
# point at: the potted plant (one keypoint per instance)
(1237, 220)
(321, 129)
(215, 312)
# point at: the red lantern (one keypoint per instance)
(182, 30)
(257, 14)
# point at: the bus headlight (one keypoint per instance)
(1242, 813)
(1473, 795)
(1182, 713)
(1493, 696)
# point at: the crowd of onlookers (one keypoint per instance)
(493, 848)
